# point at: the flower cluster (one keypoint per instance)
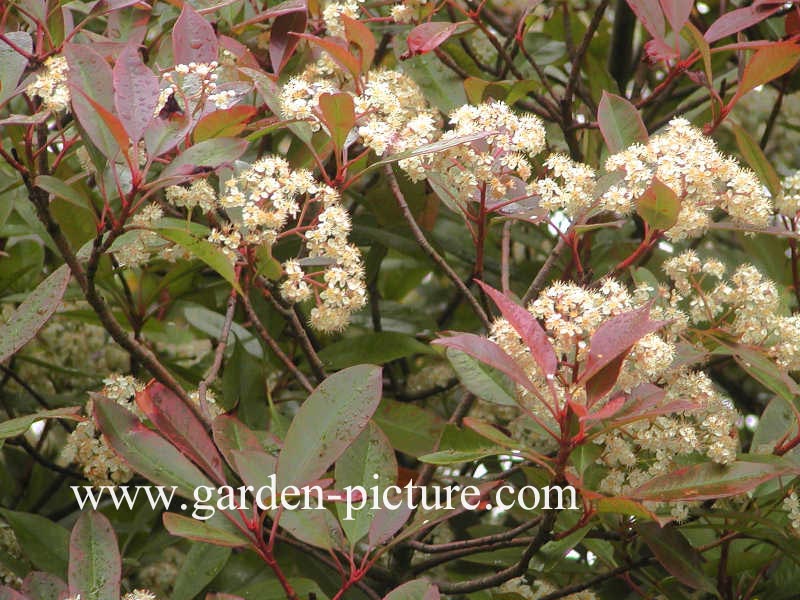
(333, 12)
(635, 452)
(788, 202)
(702, 178)
(791, 504)
(192, 85)
(160, 576)
(407, 11)
(266, 196)
(51, 84)
(88, 448)
(9, 546)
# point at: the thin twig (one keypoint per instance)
(538, 282)
(429, 250)
(222, 343)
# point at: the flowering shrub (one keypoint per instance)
(411, 259)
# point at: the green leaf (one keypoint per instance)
(371, 454)
(60, 189)
(376, 348)
(12, 63)
(204, 250)
(461, 445)
(410, 429)
(620, 123)
(762, 369)
(203, 563)
(217, 530)
(338, 116)
(754, 156)
(95, 566)
(482, 380)
(43, 542)
(18, 426)
(659, 205)
(318, 528)
(418, 589)
(206, 155)
(676, 555)
(708, 481)
(330, 419)
(33, 313)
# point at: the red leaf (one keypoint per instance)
(193, 38)
(609, 409)
(223, 123)
(677, 12)
(338, 116)
(284, 8)
(740, 19)
(528, 328)
(428, 36)
(676, 555)
(611, 343)
(281, 43)
(338, 51)
(135, 92)
(767, 64)
(487, 352)
(113, 125)
(230, 435)
(359, 34)
(6, 593)
(179, 425)
(650, 15)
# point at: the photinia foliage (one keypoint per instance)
(511, 250)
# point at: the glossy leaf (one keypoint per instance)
(203, 250)
(482, 380)
(217, 530)
(620, 123)
(176, 422)
(18, 426)
(338, 51)
(754, 156)
(203, 156)
(319, 528)
(30, 316)
(95, 565)
(677, 12)
(12, 63)
(740, 19)
(145, 451)
(767, 64)
(359, 34)
(527, 326)
(282, 42)
(461, 445)
(676, 555)
(193, 38)
(429, 36)
(254, 466)
(223, 123)
(659, 206)
(202, 564)
(338, 115)
(650, 15)
(329, 420)
(230, 435)
(411, 429)
(707, 481)
(136, 91)
(44, 543)
(371, 454)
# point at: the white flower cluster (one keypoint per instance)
(704, 179)
(746, 306)
(199, 193)
(9, 546)
(638, 451)
(407, 11)
(791, 504)
(333, 12)
(269, 194)
(193, 84)
(134, 595)
(88, 448)
(51, 84)
(788, 202)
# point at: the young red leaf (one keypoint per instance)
(611, 343)
(338, 116)
(659, 205)
(230, 435)
(740, 19)
(329, 420)
(620, 123)
(650, 15)
(95, 566)
(767, 64)
(677, 12)
(135, 92)
(12, 63)
(528, 328)
(487, 352)
(359, 34)
(709, 481)
(193, 38)
(282, 43)
(676, 555)
(338, 51)
(145, 451)
(428, 36)
(176, 422)
(223, 123)
(119, 142)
